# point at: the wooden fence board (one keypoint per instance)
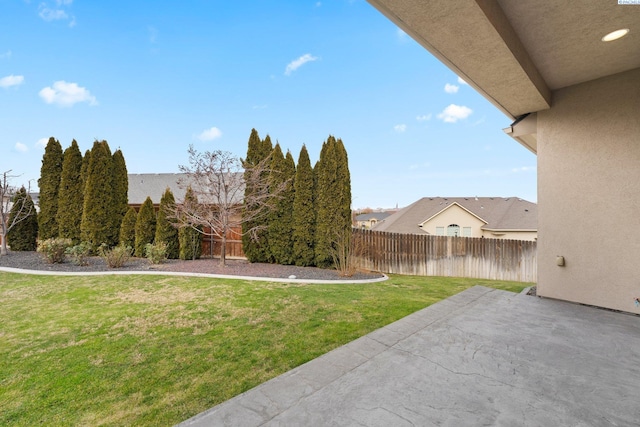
(427, 255)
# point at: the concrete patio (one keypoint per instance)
(482, 357)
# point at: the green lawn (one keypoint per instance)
(154, 350)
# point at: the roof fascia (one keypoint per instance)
(444, 209)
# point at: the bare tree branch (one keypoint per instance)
(218, 179)
(24, 209)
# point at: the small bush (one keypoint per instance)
(80, 253)
(116, 257)
(156, 253)
(54, 249)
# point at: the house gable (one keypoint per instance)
(446, 220)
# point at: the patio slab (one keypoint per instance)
(482, 357)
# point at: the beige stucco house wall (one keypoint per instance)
(589, 194)
(573, 94)
(470, 225)
(453, 215)
(510, 234)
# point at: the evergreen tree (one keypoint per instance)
(333, 202)
(165, 231)
(49, 184)
(23, 235)
(145, 227)
(97, 223)
(120, 187)
(84, 171)
(256, 247)
(304, 216)
(128, 229)
(71, 194)
(281, 216)
(343, 194)
(190, 238)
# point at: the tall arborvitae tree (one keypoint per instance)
(84, 172)
(344, 187)
(324, 203)
(120, 188)
(145, 227)
(49, 184)
(24, 234)
(255, 244)
(333, 201)
(165, 231)
(281, 216)
(190, 236)
(304, 215)
(71, 194)
(97, 223)
(128, 229)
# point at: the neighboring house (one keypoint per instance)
(490, 217)
(143, 185)
(369, 220)
(572, 98)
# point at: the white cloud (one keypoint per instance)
(51, 14)
(297, 63)
(400, 128)
(56, 13)
(524, 169)
(42, 142)
(318, 3)
(6, 55)
(11, 80)
(402, 36)
(449, 88)
(66, 94)
(21, 147)
(461, 81)
(424, 117)
(454, 112)
(209, 134)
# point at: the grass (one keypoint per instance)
(153, 350)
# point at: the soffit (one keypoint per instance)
(563, 38)
(515, 52)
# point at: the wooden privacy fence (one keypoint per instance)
(428, 255)
(211, 245)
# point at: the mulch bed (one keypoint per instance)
(235, 267)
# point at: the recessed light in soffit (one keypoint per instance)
(615, 35)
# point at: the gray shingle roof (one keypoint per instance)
(499, 213)
(373, 215)
(153, 185)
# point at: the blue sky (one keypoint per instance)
(152, 77)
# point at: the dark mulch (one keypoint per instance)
(35, 261)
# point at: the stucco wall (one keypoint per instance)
(511, 235)
(454, 214)
(589, 193)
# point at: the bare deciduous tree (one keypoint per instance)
(218, 181)
(7, 191)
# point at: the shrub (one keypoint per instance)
(54, 249)
(116, 257)
(156, 253)
(79, 253)
(145, 229)
(23, 235)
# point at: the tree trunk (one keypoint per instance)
(223, 249)
(3, 248)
